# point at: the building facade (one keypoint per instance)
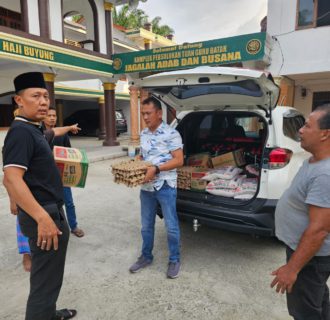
(71, 42)
(300, 54)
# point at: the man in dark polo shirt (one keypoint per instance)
(33, 182)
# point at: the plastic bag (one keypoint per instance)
(222, 192)
(216, 173)
(231, 172)
(252, 169)
(226, 184)
(246, 196)
(248, 186)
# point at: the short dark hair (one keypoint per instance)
(324, 121)
(20, 92)
(154, 101)
(52, 108)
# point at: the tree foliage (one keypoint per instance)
(162, 30)
(131, 19)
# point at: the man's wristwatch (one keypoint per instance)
(157, 169)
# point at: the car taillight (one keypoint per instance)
(279, 158)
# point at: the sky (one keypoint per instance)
(201, 20)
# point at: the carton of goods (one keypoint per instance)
(202, 160)
(131, 173)
(234, 158)
(184, 177)
(73, 166)
(197, 183)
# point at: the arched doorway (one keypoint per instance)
(80, 24)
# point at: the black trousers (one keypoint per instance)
(47, 266)
(309, 299)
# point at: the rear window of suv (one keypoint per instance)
(215, 132)
(246, 87)
(292, 122)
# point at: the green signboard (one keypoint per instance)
(214, 52)
(53, 56)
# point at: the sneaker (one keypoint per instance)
(173, 270)
(141, 263)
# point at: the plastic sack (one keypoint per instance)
(246, 196)
(252, 169)
(222, 192)
(216, 173)
(248, 186)
(251, 183)
(226, 184)
(231, 173)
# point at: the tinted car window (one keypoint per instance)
(292, 122)
(247, 87)
(119, 115)
(205, 126)
(252, 125)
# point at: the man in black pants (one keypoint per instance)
(33, 182)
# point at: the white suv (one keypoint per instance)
(220, 109)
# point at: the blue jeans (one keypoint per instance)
(70, 208)
(166, 197)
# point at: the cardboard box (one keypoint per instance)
(196, 183)
(73, 166)
(202, 160)
(234, 158)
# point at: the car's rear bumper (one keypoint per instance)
(255, 218)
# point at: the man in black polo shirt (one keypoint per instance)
(33, 182)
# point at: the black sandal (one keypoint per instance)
(64, 314)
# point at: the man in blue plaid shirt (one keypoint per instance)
(162, 146)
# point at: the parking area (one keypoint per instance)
(224, 275)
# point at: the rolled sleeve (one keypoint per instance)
(175, 141)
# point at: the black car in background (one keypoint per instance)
(88, 121)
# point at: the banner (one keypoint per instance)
(214, 52)
(13, 47)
